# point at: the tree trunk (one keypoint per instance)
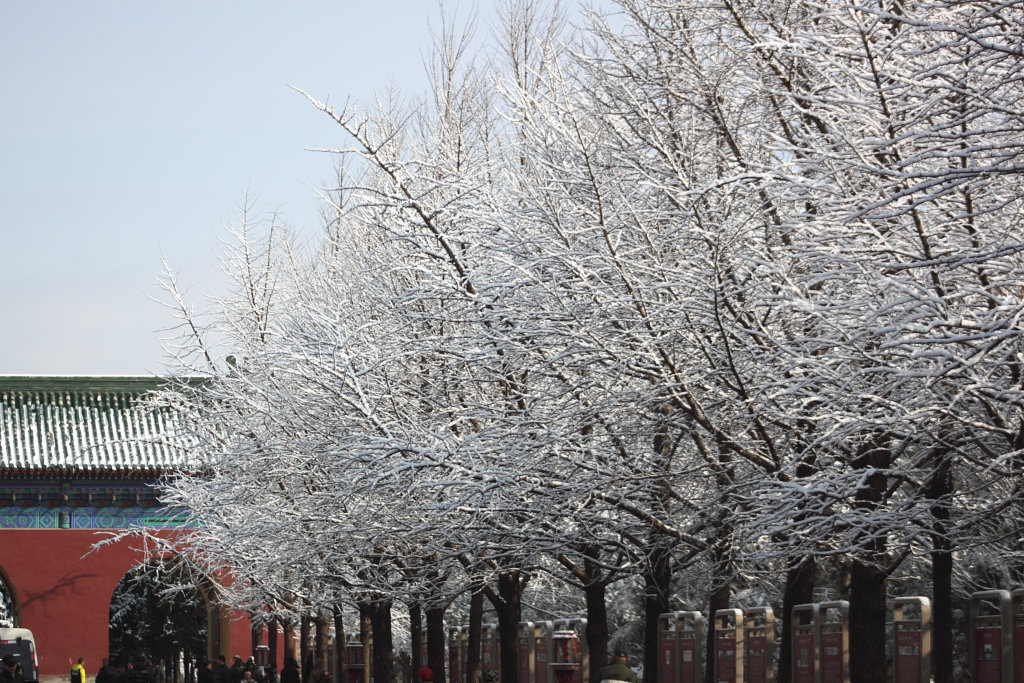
(721, 573)
(658, 570)
(383, 651)
(1017, 564)
(799, 590)
(272, 632)
(867, 623)
(657, 579)
(436, 643)
(416, 638)
(868, 576)
(509, 608)
(366, 638)
(305, 652)
(476, 618)
(597, 616)
(939, 491)
(291, 642)
(339, 644)
(323, 642)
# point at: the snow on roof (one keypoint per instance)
(83, 424)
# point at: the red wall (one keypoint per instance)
(62, 593)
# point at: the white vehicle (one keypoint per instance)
(20, 642)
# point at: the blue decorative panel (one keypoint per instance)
(89, 518)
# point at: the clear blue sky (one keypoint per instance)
(131, 130)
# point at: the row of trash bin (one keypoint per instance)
(744, 645)
(549, 651)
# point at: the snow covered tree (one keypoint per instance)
(729, 286)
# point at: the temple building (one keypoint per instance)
(78, 459)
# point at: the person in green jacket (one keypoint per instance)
(618, 671)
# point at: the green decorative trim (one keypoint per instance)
(90, 518)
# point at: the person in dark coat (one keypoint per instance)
(618, 671)
(140, 673)
(237, 669)
(223, 671)
(107, 672)
(8, 674)
(156, 671)
(290, 672)
(123, 667)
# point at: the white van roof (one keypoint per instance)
(13, 633)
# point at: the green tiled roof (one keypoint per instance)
(83, 424)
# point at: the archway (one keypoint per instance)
(61, 587)
(161, 613)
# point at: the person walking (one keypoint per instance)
(107, 672)
(124, 670)
(78, 671)
(290, 672)
(223, 670)
(140, 673)
(156, 670)
(618, 671)
(236, 669)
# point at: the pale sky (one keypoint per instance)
(131, 130)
